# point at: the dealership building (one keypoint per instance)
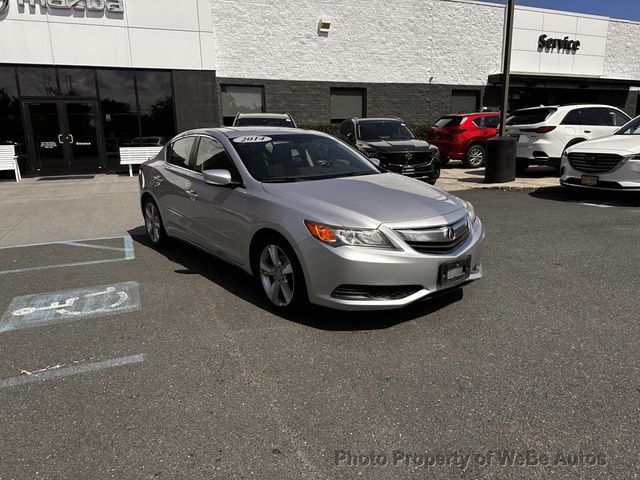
(81, 78)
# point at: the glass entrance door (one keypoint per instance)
(48, 137)
(65, 136)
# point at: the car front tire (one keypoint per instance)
(521, 167)
(279, 275)
(153, 223)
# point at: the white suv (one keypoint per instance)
(607, 163)
(544, 133)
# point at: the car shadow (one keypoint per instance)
(595, 198)
(192, 261)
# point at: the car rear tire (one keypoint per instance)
(153, 223)
(279, 275)
(521, 166)
(475, 157)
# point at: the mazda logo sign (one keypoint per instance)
(591, 159)
(4, 6)
(409, 156)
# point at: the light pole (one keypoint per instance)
(506, 64)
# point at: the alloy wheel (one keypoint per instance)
(476, 156)
(276, 275)
(152, 222)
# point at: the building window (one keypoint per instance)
(11, 132)
(465, 101)
(347, 103)
(241, 99)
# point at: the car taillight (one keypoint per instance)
(539, 129)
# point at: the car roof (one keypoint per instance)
(476, 114)
(263, 115)
(233, 132)
(378, 119)
(569, 106)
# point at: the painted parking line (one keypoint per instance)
(57, 307)
(127, 250)
(73, 370)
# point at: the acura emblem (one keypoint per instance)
(450, 233)
(4, 6)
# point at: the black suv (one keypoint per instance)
(393, 143)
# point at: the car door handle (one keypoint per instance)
(587, 131)
(192, 194)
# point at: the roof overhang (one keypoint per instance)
(563, 81)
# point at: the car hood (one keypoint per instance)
(413, 145)
(618, 144)
(368, 200)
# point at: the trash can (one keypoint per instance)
(501, 160)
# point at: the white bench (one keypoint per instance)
(9, 161)
(137, 156)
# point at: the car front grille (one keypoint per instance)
(439, 240)
(594, 162)
(409, 158)
(371, 292)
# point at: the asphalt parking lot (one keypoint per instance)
(171, 367)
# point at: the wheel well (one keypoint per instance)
(573, 142)
(144, 198)
(258, 238)
(476, 142)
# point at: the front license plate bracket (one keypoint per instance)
(454, 272)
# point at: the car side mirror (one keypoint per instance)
(218, 177)
(349, 136)
(375, 161)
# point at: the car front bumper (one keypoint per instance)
(327, 268)
(626, 177)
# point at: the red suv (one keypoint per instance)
(464, 136)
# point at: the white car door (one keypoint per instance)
(600, 122)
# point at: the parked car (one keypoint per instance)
(608, 163)
(264, 120)
(464, 137)
(544, 133)
(393, 143)
(311, 218)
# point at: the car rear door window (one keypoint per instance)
(574, 117)
(180, 151)
(478, 122)
(491, 122)
(596, 117)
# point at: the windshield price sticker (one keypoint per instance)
(253, 139)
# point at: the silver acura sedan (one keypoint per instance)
(310, 217)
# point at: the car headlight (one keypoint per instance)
(470, 211)
(338, 236)
(633, 157)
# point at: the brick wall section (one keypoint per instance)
(309, 102)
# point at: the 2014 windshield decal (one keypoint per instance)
(111, 6)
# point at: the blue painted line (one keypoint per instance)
(30, 311)
(129, 253)
(69, 371)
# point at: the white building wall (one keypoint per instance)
(150, 34)
(456, 42)
(404, 41)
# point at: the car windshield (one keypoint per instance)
(529, 116)
(450, 121)
(631, 128)
(292, 158)
(384, 131)
(266, 122)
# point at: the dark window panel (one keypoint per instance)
(11, 132)
(241, 99)
(77, 82)
(117, 91)
(38, 81)
(119, 130)
(346, 103)
(153, 88)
